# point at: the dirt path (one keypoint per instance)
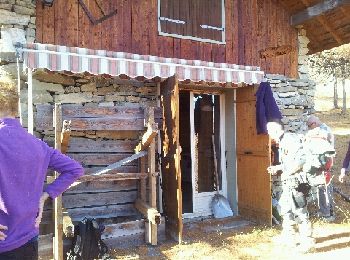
(237, 239)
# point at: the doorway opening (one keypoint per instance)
(201, 151)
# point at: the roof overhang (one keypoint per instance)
(327, 22)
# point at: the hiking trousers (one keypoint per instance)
(294, 214)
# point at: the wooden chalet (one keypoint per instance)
(188, 50)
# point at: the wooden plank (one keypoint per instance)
(71, 23)
(49, 24)
(39, 23)
(149, 212)
(123, 229)
(116, 21)
(316, 10)
(108, 211)
(127, 26)
(128, 234)
(103, 186)
(95, 29)
(81, 124)
(43, 117)
(60, 11)
(103, 159)
(78, 144)
(103, 212)
(98, 199)
(153, 27)
(83, 28)
(111, 177)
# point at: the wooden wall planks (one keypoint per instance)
(251, 25)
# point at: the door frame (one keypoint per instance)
(205, 198)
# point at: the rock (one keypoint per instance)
(75, 98)
(287, 89)
(8, 17)
(105, 90)
(6, 7)
(54, 78)
(133, 99)
(90, 87)
(114, 97)
(292, 112)
(299, 83)
(24, 10)
(287, 94)
(45, 86)
(39, 97)
(106, 104)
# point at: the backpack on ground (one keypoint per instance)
(87, 243)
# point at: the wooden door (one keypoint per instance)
(253, 158)
(171, 171)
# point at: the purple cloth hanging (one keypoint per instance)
(266, 108)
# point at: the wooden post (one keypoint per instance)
(58, 215)
(30, 102)
(143, 187)
(152, 228)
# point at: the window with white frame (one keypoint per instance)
(201, 20)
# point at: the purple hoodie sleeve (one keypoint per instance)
(69, 170)
(347, 158)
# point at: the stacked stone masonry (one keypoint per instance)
(295, 99)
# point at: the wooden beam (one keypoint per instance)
(58, 215)
(327, 26)
(150, 213)
(316, 10)
(276, 51)
(147, 138)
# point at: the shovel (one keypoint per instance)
(220, 206)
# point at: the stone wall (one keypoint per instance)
(17, 24)
(295, 99)
(50, 88)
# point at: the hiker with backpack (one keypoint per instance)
(319, 130)
(23, 167)
(295, 189)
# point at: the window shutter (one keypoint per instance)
(201, 20)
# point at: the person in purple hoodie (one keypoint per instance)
(23, 166)
(346, 166)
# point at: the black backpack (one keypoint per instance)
(87, 243)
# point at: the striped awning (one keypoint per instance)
(78, 60)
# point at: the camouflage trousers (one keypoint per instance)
(294, 212)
